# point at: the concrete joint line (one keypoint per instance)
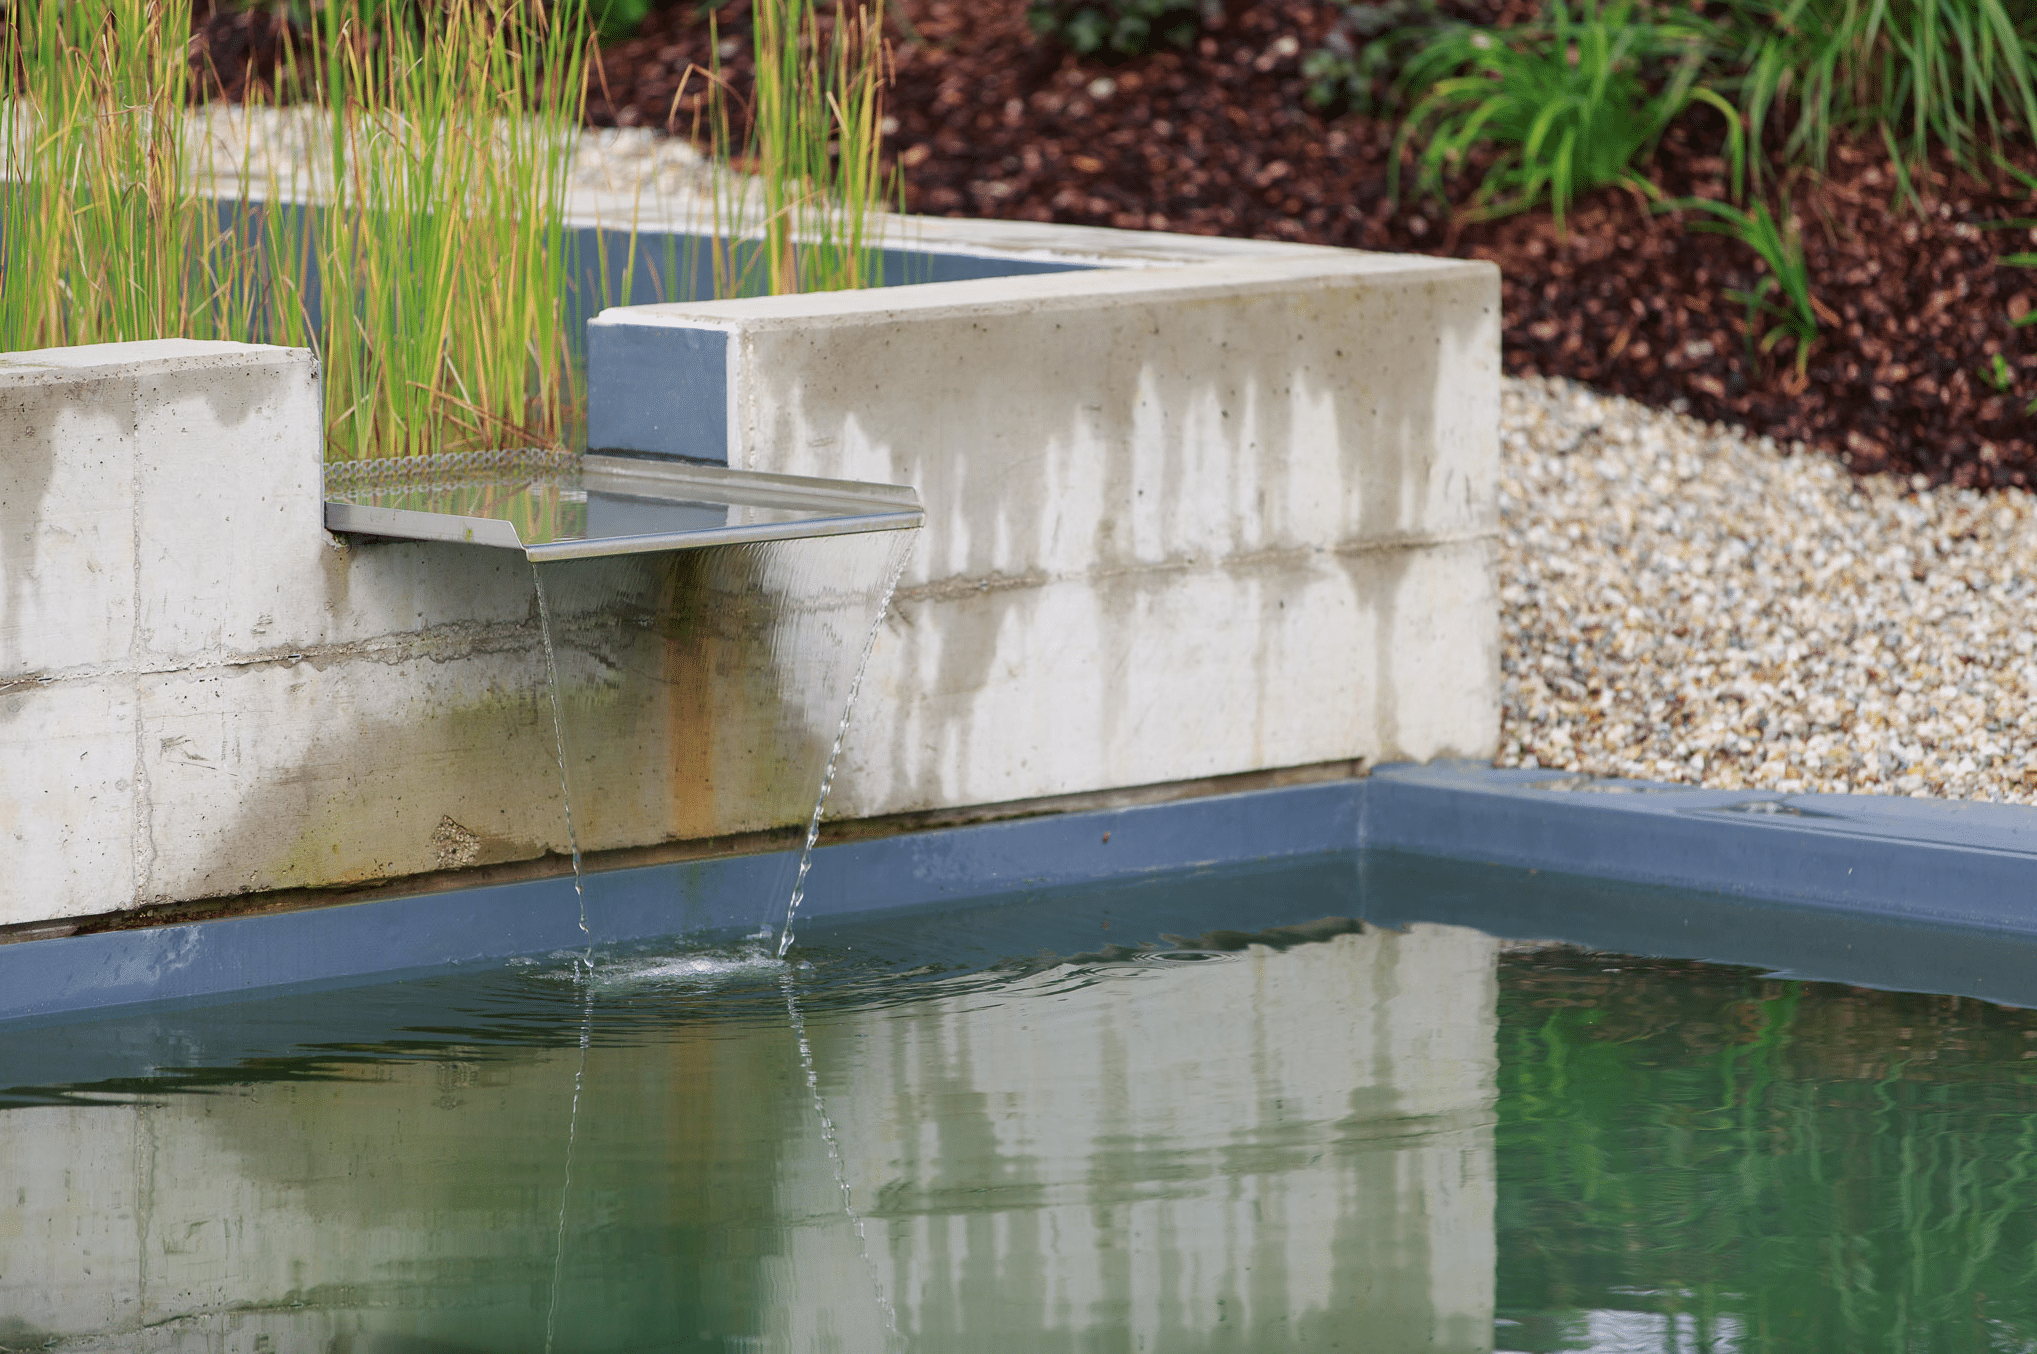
(439, 644)
(949, 589)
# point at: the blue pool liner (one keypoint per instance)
(1824, 885)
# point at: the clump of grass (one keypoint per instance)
(1954, 73)
(815, 148)
(1572, 101)
(424, 260)
(101, 238)
(1783, 293)
(424, 252)
(440, 249)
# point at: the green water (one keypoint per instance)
(1328, 1137)
(1696, 1158)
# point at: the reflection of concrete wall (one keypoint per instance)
(409, 1208)
(1262, 1153)
(1071, 1173)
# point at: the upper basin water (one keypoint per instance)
(553, 506)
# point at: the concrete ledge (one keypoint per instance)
(1198, 508)
(1186, 520)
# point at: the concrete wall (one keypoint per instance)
(201, 691)
(1268, 1152)
(1180, 521)
(1221, 508)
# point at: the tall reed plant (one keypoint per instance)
(423, 250)
(808, 221)
(423, 254)
(102, 239)
(440, 242)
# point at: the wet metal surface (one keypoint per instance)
(558, 508)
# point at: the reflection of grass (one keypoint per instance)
(1828, 1169)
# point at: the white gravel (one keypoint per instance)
(1684, 602)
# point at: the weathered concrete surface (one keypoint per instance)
(1181, 522)
(1210, 511)
(203, 693)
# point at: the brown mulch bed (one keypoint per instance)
(1218, 138)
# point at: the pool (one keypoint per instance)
(1346, 1100)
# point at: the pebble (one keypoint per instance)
(1684, 602)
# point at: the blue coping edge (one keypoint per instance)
(425, 933)
(1955, 866)
(661, 388)
(1936, 862)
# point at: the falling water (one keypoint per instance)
(572, 1133)
(559, 736)
(827, 777)
(827, 1124)
(702, 692)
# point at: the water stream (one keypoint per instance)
(708, 693)
(559, 736)
(827, 778)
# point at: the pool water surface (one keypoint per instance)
(1287, 1129)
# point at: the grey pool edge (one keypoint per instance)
(1968, 867)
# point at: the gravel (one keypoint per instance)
(1684, 602)
(667, 172)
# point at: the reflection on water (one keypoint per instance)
(1253, 1147)
(1696, 1158)
(1322, 1136)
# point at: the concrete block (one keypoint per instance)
(227, 503)
(297, 775)
(66, 517)
(201, 692)
(1194, 508)
(1030, 689)
(68, 793)
(1220, 517)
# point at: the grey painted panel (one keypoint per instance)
(1966, 865)
(660, 389)
(1895, 893)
